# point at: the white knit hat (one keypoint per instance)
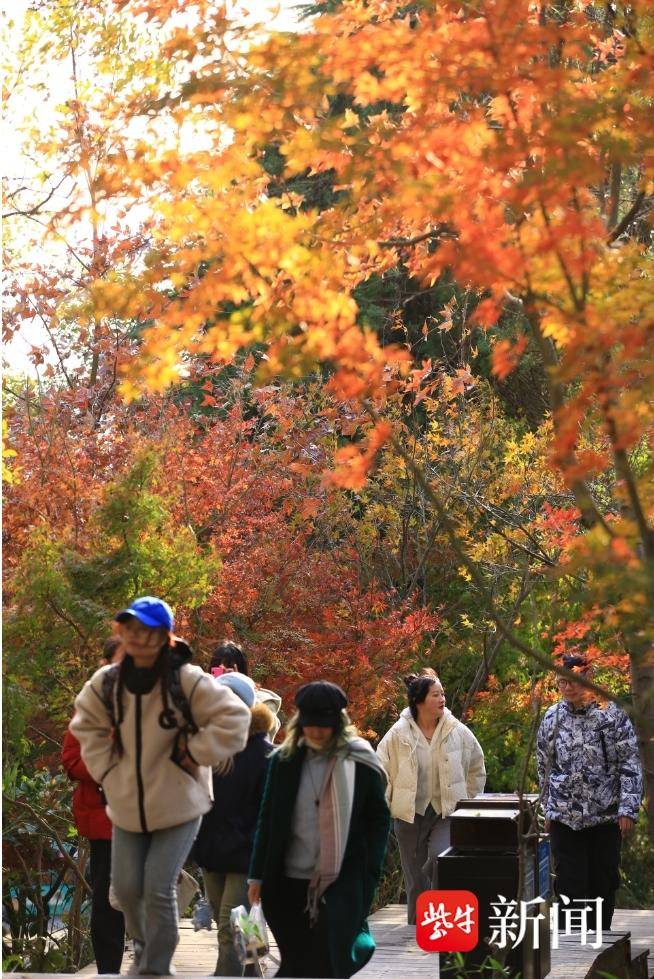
(241, 685)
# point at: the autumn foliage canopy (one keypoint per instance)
(377, 292)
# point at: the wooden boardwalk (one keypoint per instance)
(397, 955)
(624, 953)
(640, 925)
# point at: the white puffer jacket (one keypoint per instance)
(461, 769)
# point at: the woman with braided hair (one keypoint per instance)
(150, 729)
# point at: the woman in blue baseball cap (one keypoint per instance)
(150, 729)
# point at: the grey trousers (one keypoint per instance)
(144, 872)
(420, 842)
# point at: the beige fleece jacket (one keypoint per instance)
(459, 759)
(146, 789)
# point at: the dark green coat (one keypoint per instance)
(349, 898)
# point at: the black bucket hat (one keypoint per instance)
(320, 704)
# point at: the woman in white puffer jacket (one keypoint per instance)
(432, 762)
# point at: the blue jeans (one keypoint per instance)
(144, 872)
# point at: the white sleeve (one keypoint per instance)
(384, 755)
(476, 774)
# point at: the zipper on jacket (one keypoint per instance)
(606, 758)
(139, 776)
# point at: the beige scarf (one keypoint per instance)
(335, 813)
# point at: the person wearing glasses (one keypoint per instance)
(591, 788)
(150, 730)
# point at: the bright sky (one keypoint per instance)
(280, 14)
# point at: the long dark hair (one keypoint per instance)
(230, 654)
(109, 648)
(417, 688)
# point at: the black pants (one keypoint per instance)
(304, 949)
(587, 865)
(107, 924)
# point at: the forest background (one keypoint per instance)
(341, 340)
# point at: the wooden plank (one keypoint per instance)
(397, 955)
(641, 926)
(572, 959)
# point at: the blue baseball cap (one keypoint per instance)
(153, 612)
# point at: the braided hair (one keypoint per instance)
(167, 717)
(417, 688)
(118, 714)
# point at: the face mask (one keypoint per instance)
(318, 745)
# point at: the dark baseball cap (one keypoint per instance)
(320, 704)
(152, 612)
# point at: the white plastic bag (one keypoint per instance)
(250, 933)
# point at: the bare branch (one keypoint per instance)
(440, 231)
(631, 216)
(55, 835)
(30, 212)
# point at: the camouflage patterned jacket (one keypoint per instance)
(588, 765)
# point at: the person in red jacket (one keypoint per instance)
(107, 924)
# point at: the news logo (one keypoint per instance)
(447, 921)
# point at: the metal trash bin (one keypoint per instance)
(489, 836)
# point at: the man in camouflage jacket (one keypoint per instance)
(591, 787)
